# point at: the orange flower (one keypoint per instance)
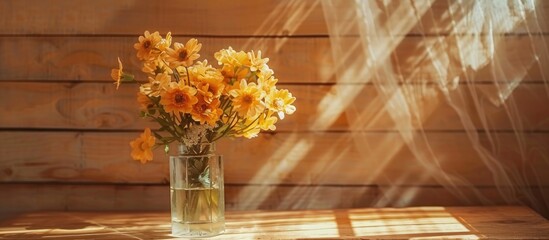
(142, 147)
(206, 112)
(147, 46)
(210, 89)
(143, 100)
(184, 55)
(117, 74)
(232, 76)
(179, 98)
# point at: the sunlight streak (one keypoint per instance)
(462, 59)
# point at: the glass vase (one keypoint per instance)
(196, 192)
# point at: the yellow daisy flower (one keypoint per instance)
(232, 76)
(266, 81)
(247, 99)
(147, 47)
(249, 128)
(231, 57)
(256, 62)
(250, 133)
(157, 85)
(156, 66)
(208, 81)
(202, 71)
(280, 101)
(183, 55)
(179, 98)
(267, 121)
(142, 147)
(206, 112)
(165, 43)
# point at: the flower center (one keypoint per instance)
(183, 54)
(201, 107)
(143, 146)
(279, 103)
(247, 99)
(147, 44)
(179, 98)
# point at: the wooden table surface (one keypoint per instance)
(416, 223)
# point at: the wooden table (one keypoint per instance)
(416, 223)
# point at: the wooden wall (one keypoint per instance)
(64, 129)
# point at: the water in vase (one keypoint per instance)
(197, 211)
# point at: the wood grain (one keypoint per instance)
(265, 17)
(305, 158)
(416, 60)
(32, 197)
(395, 223)
(36, 196)
(100, 106)
(29, 197)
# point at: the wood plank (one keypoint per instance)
(419, 60)
(30, 197)
(419, 222)
(357, 108)
(431, 158)
(265, 17)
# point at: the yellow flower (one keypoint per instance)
(142, 147)
(250, 133)
(179, 98)
(147, 47)
(206, 112)
(280, 101)
(165, 42)
(256, 62)
(232, 57)
(267, 121)
(157, 85)
(201, 71)
(211, 89)
(232, 76)
(266, 81)
(144, 101)
(247, 99)
(248, 128)
(184, 55)
(208, 81)
(156, 66)
(117, 74)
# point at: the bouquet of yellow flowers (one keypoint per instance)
(194, 102)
